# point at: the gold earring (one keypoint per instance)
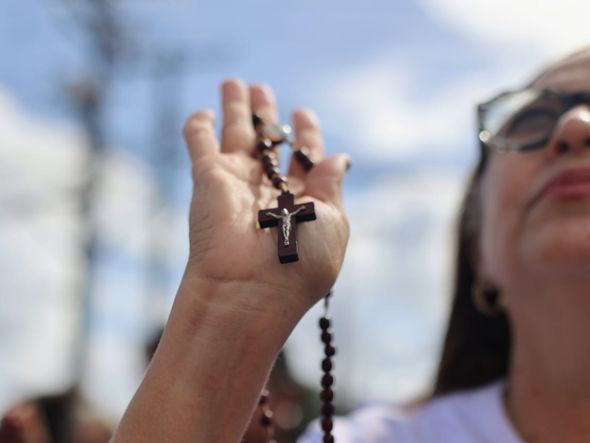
(487, 299)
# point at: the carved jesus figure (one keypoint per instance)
(285, 218)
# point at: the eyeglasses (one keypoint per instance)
(524, 120)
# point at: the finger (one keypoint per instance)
(263, 102)
(309, 135)
(326, 178)
(238, 132)
(199, 132)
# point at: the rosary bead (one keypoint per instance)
(328, 410)
(327, 364)
(327, 381)
(327, 424)
(272, 171)
(302, 156)
(324, 323)
(278, 180)
(264, 145)
(328, 438)
(327, 395)
(326, 337)
(257, 120)
(329, 350)
(266, 418)
(269, 160)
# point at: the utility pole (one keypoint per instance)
(99, 20)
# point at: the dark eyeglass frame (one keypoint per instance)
(567, 101)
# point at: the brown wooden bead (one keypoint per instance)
(328, 409)
(277, 180)
(269, 160)
(329, 350)
(327, 365)
(272, 171)
(302, 156)
(327, 381)
(266, 418)
(268, 168)
(327, 424)
(328, 438)
(327, 395)
(324, 323)
(257, 120)
(263, 145)
(326, 337)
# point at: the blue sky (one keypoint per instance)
(394, 84)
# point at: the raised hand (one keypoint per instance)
(236, 304)
(225, 243)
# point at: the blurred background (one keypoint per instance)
(95, 181)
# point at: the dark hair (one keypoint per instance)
(476, 348)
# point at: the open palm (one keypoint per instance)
(226, 246)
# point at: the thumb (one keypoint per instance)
(199, 132)
(326, 178)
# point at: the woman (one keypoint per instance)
(525, 237)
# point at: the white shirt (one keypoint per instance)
(475, 416)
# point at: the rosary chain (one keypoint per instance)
(327, 393)
(266, 417)
(266, 150)
(327, 383)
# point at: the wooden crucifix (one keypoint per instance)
(286, 217)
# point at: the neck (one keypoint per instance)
(548, 395)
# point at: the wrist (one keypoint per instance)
(212, 362)
(241, 305)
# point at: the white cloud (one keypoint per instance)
(546, 27)
(388, 112)
(375, 106)
(124, 195)
(40, 168)
(42, 264)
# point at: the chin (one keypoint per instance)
(563, 247)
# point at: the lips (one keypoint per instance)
(572, 183)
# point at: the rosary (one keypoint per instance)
(285, 217)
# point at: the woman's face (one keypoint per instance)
(528, 233)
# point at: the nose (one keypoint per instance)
(572, 132)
